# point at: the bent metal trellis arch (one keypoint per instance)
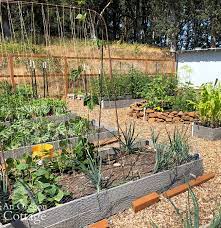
(46, 41)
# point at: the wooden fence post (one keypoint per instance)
(11, 71)
(66, 76)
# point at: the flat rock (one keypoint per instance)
(169, 119)
(151, 120)
(153, 115)
(191, 114)
(180, 113)
(150, 111)
(176, 119)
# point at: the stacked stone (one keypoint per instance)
(151, 115)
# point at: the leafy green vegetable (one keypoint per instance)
(28, 132)
(34, 185)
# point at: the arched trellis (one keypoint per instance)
(80, 33)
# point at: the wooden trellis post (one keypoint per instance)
(66, 76)
(11, 71)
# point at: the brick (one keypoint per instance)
(101, 224)
(145, 201)
(184, 187)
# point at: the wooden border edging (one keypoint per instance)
(145, 201)
(90, 209)
(184, 187)
(100, 224)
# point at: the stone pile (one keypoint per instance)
(151, 115)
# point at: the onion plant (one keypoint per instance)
(128, 138)
(93, 169)
(191, 217)
(172, 153)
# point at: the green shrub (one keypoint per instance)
(185, 98)
(20, 105)
(160, 92)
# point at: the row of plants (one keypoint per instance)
(120, 85)
(165, 93)
(21, 105)
(33, 181)
(162, 92)
(26, 132)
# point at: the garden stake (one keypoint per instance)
(32, 79)
(45, 78)
(144, 114)
(35, 81)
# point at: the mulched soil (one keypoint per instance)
(163, 213)
(116, 170)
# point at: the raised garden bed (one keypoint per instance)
(121, 102)
(138, 111)
(130, 177)
(98, 133)
(92, 208)
(54, 118)
(206, 132)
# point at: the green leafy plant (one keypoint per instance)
(20, 105)
(185, 98)
(120, 85)
(209, 105)
(76, 73)
(160, 92)
(172, 153)
(90, 101)
(128, 138)
(93, 170)
(29, 132)
(34, 184)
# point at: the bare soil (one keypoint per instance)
(116, 170)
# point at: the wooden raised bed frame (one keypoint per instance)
(89, 209)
